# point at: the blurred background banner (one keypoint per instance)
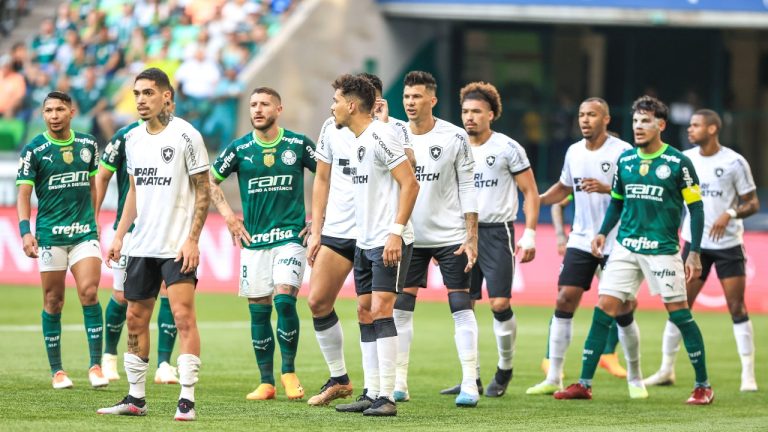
(535, 283)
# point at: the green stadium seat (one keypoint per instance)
(11, 133)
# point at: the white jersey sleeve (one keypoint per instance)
(465, 173)
(195, 153)
(335, 147)
(323, 151)
(497, 161)
(401, 132)
(565, 175)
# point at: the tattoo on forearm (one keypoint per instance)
(471, 222)
(133, 343)
(217, 195)
(202, 201)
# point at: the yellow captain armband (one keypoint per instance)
(617, 196)
(691, 194)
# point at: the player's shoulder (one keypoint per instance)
(181, 126)
(294, 138)
(675, 156)
(444, 127)
(504, 141)
(617, 143)
(124, 131)
(86, 139)
(240, 143)
(36, 144)
(628, 155)
(399, 125)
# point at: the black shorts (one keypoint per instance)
(343, 247)
(372, 275)
(144, 275)
(495, 261)
(451, 267)
(579, 268)
(728, 262)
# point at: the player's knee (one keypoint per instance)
(459, 301)
(364, 313)
(405, 302)
(566, 301)
(53, 305)
(184, 319)
(89, 296)
(499, 304)
(503, 315)
(626, 319)
(319, 305)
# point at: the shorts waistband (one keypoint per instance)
(508, 224)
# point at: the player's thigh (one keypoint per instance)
(578, 269)
(476, 279)
(707, 258)
(495, 260)
(363, 272)
(418, 268)
(288, 264)
(622, 275)
(452, 267)
(85, 264)
(118, 268)
(181, 296)
(666, 276)
(255, 273)
(143, 278)
(388, 278)
(328, 275)
(53, 258)
(53, 290)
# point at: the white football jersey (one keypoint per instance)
(723, 177)
(376, 193)
(497, 161)
(161, 166)
(590, 209)
(443, 160)
(334, 147)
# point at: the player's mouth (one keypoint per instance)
(410, 111)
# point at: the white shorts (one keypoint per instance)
(261, 270)
(57, 258)
(625, 271)
(118, 268)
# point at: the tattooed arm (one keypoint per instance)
(190, 253)
(235, 225)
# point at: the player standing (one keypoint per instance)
(589, 167)
(729, 195)
(59, 165)
(650, 188)
(269, 162)
(168, 200)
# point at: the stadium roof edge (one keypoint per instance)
(574, 15)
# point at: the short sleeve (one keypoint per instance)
(114, 153)
(401, 133)
(387, 148)
(617, 189)
(308, 157)
(566, 177)
(27, 167)
(688, 181)
(743, 180)
(518, 160)
(464, 160)
(226, 163)
(195, 153)
(324, 150)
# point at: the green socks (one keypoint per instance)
(287, 330)
(114, 318)
(693, 341)
(613, 339)
(263, 340)
(94, 330)
(52, 339)
(166, 327)
(593, 347)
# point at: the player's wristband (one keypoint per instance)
(732, 213)
(397, 229)
(24, 228)
(528, 240)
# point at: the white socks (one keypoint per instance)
(745, 344)
(331, 343)
(506, 333)
(560, 334)
(136, 373)
(370, 360)
(629, 337)
(670, 345)
(386, 348)
(465, 325)
(404, 324)
(189, 366)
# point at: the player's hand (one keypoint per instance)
(526, 246)
(381, 110)
(189, 255)
(692, 267)
(313, 247)
(597, 245)
(469, 248)
(305, 233)
(30, 245)
(593, 185)
(113, 253)
(238, 232)
(393, 250)
(718, 227)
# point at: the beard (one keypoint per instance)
(268, 123)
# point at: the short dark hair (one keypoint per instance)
(376, 81)
(426, 79)
(482, 91)
(267, 90)
(58, 95)
(600, 101)
(710, 118)
(358, 87)
(158, 76)
(651, 105)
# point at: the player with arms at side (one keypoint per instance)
(270, 163)
(729, 195)
(651, 185)
(59, 165)
(168, 200)
(589, 167)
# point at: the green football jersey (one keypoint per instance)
(271, 180)
(654, 189)
(113, 159)
(60, 172)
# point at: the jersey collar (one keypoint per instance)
(658, 153)
(60, 142)
(272, 143)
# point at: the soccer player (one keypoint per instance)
(168, 200)
(385, 190)
(651, 185)
(331, 249)
(501, 167)
(728, 193)
(589, 167)
(445, 223)
(59, 165)
(269, 162)
(113, 161)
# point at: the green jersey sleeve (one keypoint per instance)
(27, 167)
(617, 190)
(226, 163)
(308, 158)
(688, 182)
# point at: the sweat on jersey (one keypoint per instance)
(600, 164)
(724, 177)
(497, 162)
(445, 171)
(271, 180)
(336, 148)
(377, 194)
(60, 172)
(654, 188)
(113, 159)
(161, 166)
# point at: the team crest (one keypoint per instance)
(645, 166)
(663, 171)
(269, 157)
(47, 257)
(288, 157)
(435, 152)
(167, 153)
(360, 153)
(605, 166)
(490, 160)
(67, 157)
(719, 172)
(85, 155)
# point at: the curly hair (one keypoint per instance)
(357, 87)
(482, 91)
(651, 105)
(426, 79)
(376, 81)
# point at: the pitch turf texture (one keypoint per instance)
(27, 401)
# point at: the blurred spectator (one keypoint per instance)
(45, 44)
(66, 19)
(235, 12)
(93, 106)
(13, 88)
(135, 52)
(233, 56)
(66, 51)
(104, 52)
(93, 24)
(199, 76)
(219, 124)
(150, 13)
(122, 30)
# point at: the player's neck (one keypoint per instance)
(420, 127)
(359, 123)
(596, 142)
(481, 138)
(652, 147)
(710, 147)
(268, 135)
(157, 124)
(63, 135)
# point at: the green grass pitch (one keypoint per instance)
(27, 401)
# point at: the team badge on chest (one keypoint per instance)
(288, 157)
(360, 153)
(605, 166)
(719, 172)
(490, 160)
(67, 156)
(435, 152)
(645, 166)
(167, 154)
(663, 172)
(269, 157)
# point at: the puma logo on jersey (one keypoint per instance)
(49, 158)
(628, 167)
(248, 158)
